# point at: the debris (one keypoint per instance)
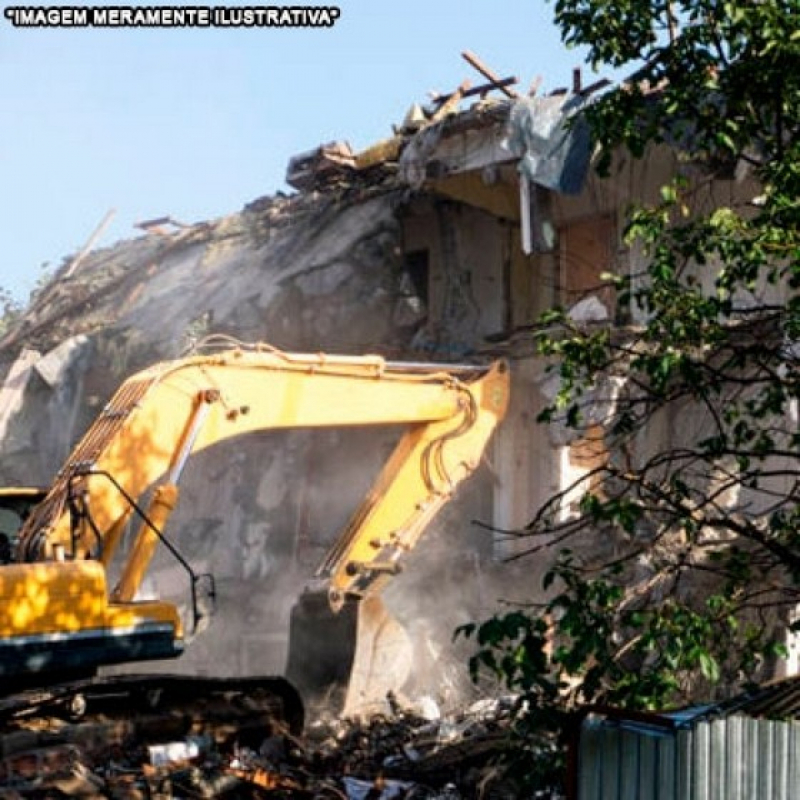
(384, 152)
(53, 365)
(173, 752)
(596, 86)
(90, 242)
(414, 119)
(264, 778)
(590, 309)
(450, 104)
(553, 139)
(398, 755)
(158, 224)
(12, 389)
(314, 167)
(478, 91)
(379, 789)
(473, 60)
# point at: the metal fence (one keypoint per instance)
(729, 758)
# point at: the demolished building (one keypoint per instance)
(443, 243)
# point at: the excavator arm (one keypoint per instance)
(57, 599)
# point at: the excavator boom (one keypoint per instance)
(59, 610)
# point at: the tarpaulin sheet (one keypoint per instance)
(553, 139)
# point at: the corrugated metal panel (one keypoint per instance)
(717, 790)
(701, 762)
(685, 769)
(780, 762)
(611, 777)
(751, 756)
(734, 765)
(589, 761)
(764, 735)
(648, 766)
(630, 761)
(778, 700)
(617, 762)
(666, 777)
(732, 758)
(794, 763)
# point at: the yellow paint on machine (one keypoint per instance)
(67, 597)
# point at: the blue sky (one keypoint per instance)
(195, 123)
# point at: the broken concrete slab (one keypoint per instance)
(13, 388)
(53, 366)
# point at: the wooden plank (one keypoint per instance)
(474, 61)
(593, 87)
(451, 104)
(90, 242)
(379, 153)
(481, 89)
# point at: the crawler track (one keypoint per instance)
(117, 710)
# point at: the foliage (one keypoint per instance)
(10, 310)
(706, 364)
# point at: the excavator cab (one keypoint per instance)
(16, 503)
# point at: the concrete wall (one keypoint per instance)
(305, 274)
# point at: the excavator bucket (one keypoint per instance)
(350, 659)
(382, 661)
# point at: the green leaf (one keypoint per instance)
(669, 194)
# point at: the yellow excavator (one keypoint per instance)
(63, 615)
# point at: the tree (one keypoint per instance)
(10, 309)
(704, 524)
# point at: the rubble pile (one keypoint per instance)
(399, 754)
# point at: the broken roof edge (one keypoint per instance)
(539, 134)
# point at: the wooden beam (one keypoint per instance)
(474, 61)
(90, 242)
(475, 90)
(157, 225)
(597, 85)
(450, 105)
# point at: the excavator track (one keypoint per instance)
(145, 710)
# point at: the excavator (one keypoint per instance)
(66, 612)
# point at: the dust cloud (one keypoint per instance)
(260, 515)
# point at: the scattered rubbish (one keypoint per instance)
(173, 752)
(389, 756)
(163, 226)
(379, 789)
(315, 166)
